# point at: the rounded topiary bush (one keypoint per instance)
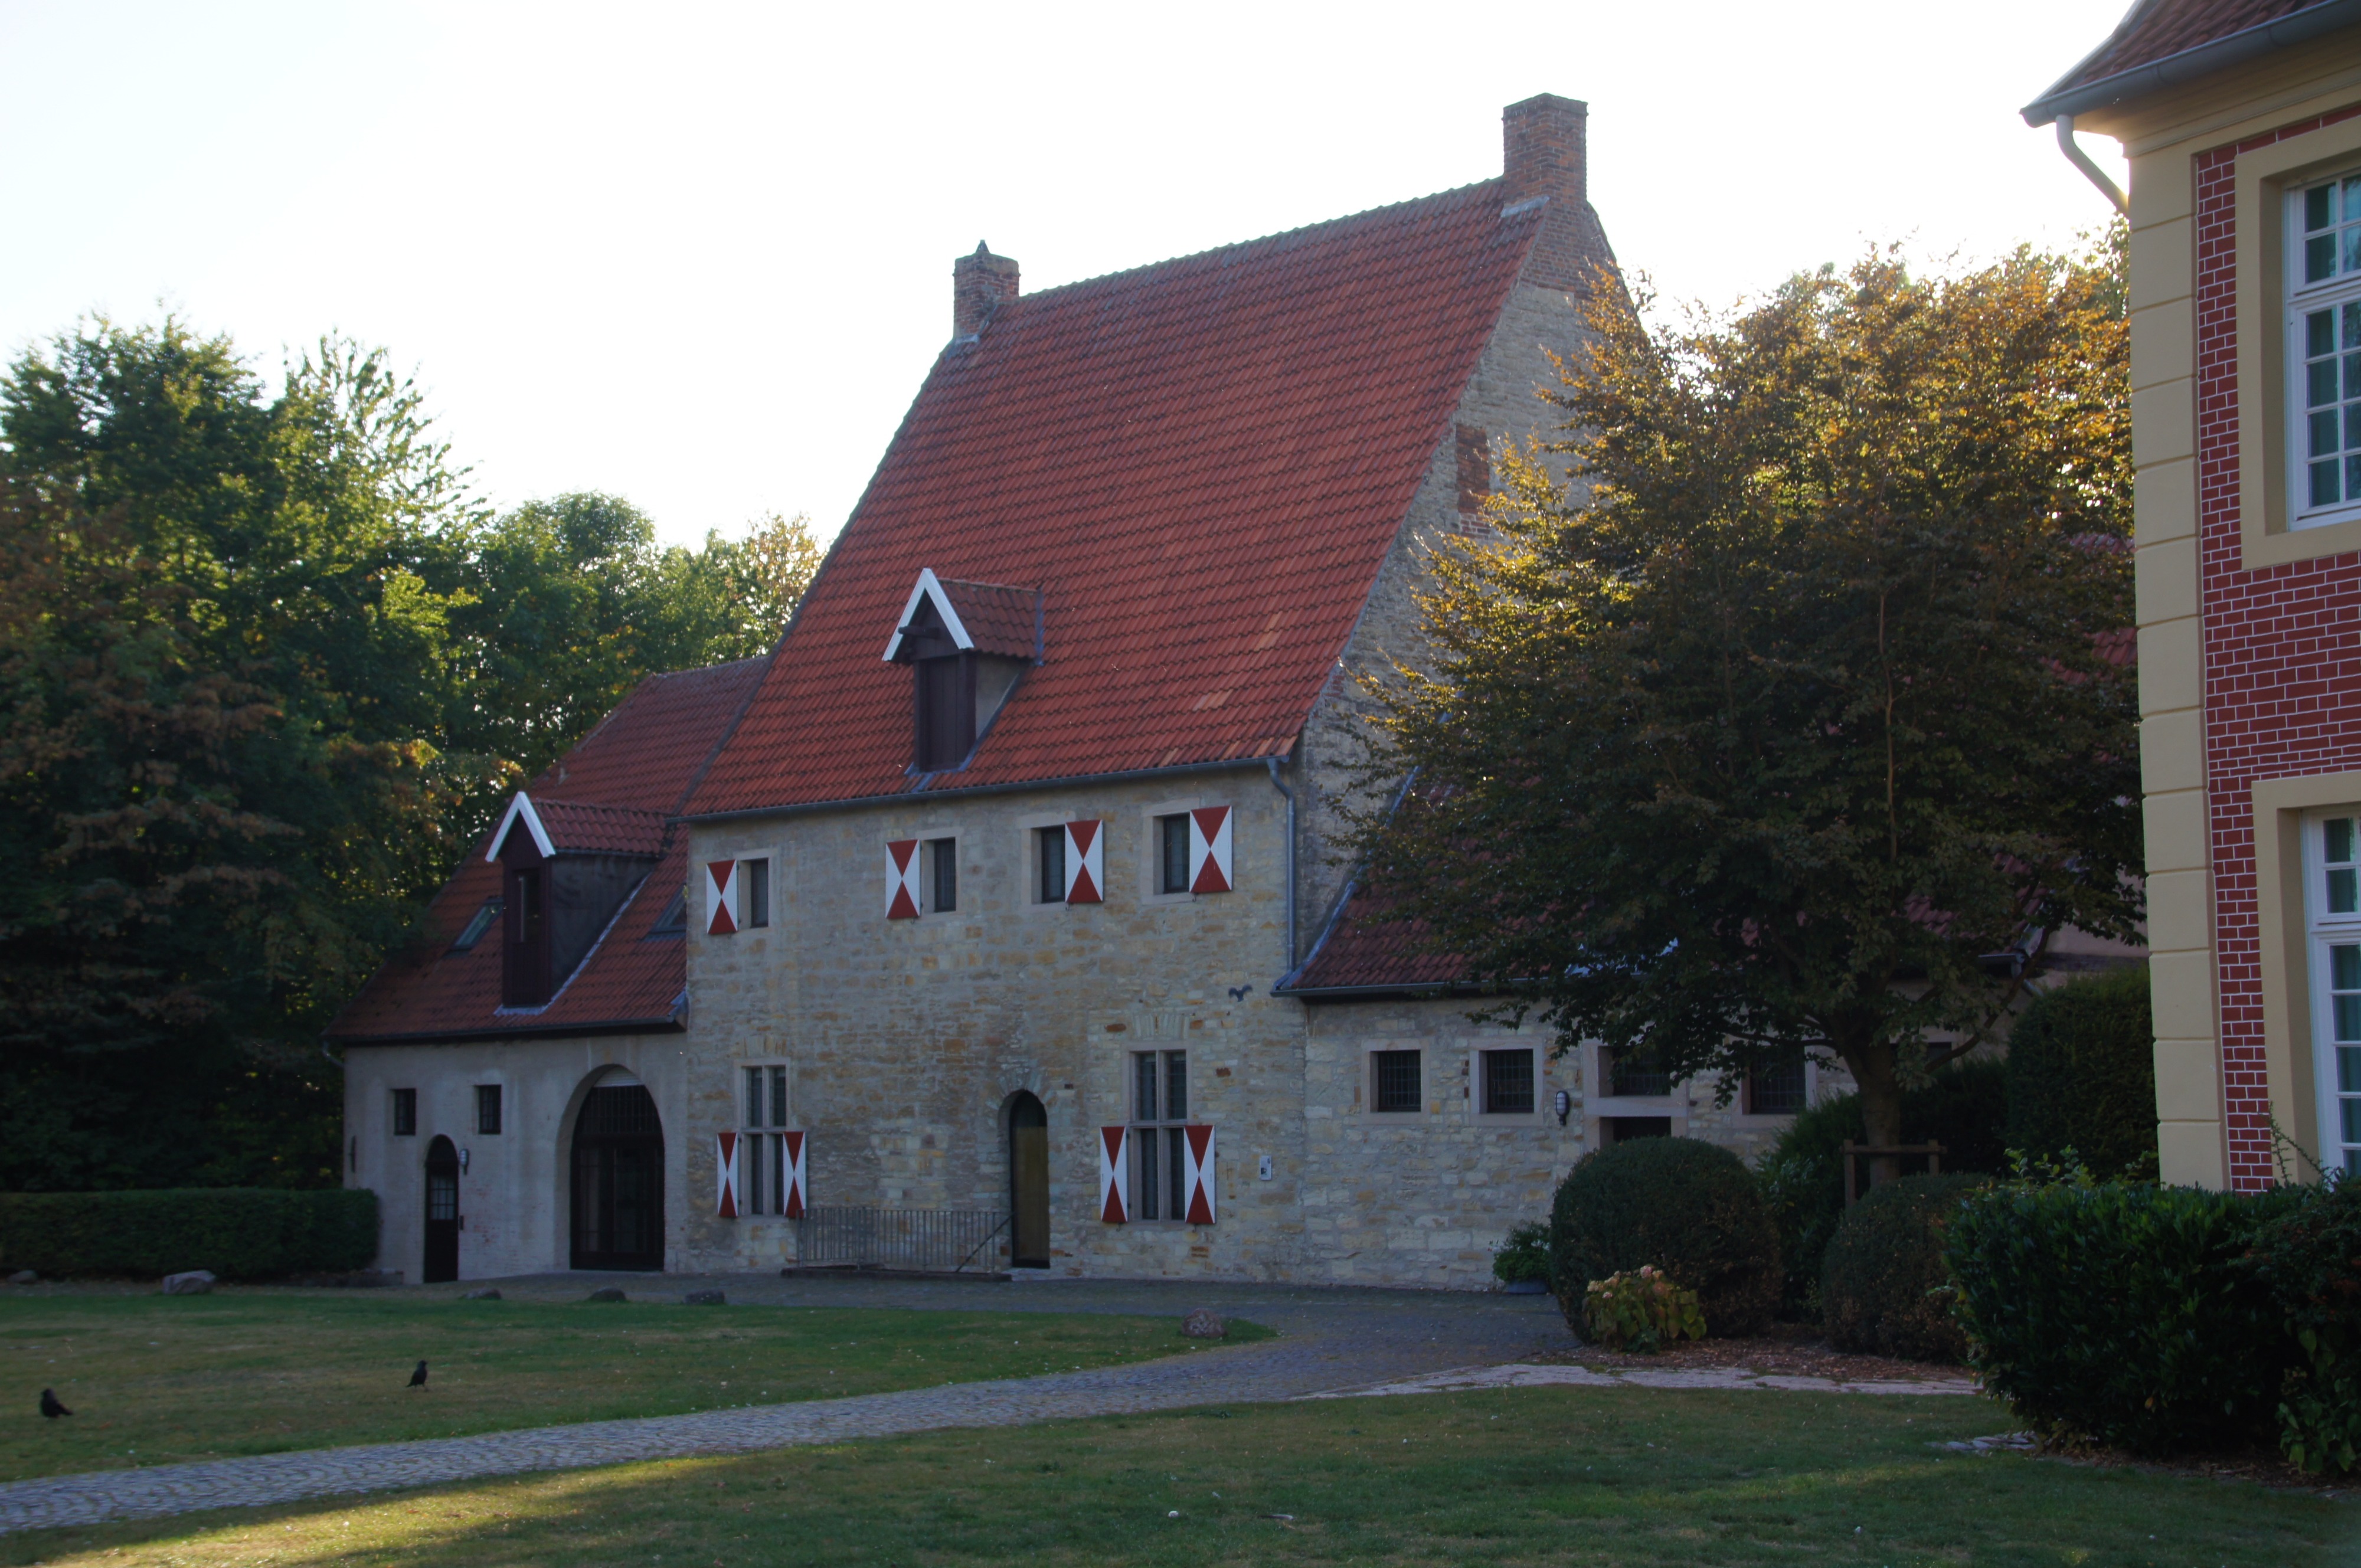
(1884, 1259)
(1688, 1207)
(2081, 1075)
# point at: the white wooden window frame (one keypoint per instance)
(2326, 931)
(762, 1161)
(2302, 299)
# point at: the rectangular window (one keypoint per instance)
(2332, 907)
(1050, 845)
(1159, 1104)
(1775, 1091)
(405, 1113)
(1172, 853)
(758, 890)
(1632, 1073)
(940, 874)
(2324, 326)
(1396, 1086)
(1508, 1082)
(762, 1153)
(487, 1108)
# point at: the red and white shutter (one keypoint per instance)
(1199, 1174)
(1085, 862)
(1209, 849)
(725, 1172)
(792, 1207)
(902, 879)
(1114, 1145)
(720, 897)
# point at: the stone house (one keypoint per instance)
(1016, 930)
(2242, 121)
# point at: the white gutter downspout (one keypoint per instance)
(1289, 966)
(2091, 171)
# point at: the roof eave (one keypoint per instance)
(2188, 64)
(666, 1026)
(903, 797)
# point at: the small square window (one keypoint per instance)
(1172, 853)
(1396, 1082)
(405, 1113)
(487, 1108)
(1775, 1091)
(1050, 848)
(758, 892)
(1508, 1082)
(941, 875)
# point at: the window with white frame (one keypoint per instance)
(761, 1152)
(1160, 1158)
(2324, 350)
(2332, 912)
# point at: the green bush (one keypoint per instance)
(2308, 1258)
(2081, 1076)
(1963, 1108)
(238, 1232)
(1885, 1264)
(1642, 1310)
(1688, 1207)
(2121, 1312)
(1524, 1256)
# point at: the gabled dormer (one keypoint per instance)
(566, 869)
(967, 644)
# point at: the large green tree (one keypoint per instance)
(265, 665)
(1792, 717)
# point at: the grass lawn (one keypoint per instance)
(155, 1379)
(1555, 1475)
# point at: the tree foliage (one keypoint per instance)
(1802, 695)
(265, 665)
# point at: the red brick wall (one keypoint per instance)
(2282, 651)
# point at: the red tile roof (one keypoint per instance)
(998, 618)
(620, 783)
(2154, 30)
(1362, 950)
(1201, 464)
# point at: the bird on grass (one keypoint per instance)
(418, 1378)
(49, 1406)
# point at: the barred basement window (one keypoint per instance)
(1397, 1086)
(487, 1108)
(405, 1113)
(1775, 1091)
(1508, 1082)
(763, 1156)
(1159, 1159)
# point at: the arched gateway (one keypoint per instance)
(618, 1185)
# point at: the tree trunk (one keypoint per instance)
(1880, 1104)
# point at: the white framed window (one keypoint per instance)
(2331, 855)
(1160, 1153)
(762, 1153)
(2324, 352)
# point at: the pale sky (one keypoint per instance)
(699, 256)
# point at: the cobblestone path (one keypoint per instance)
(1333, 1342)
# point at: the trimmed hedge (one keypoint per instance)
(1885, 1261)
(2122, 1313)
(1963, 1108)
(2081, 1075)
(1690, 1208)
(2308, 1258)
(238, 1232)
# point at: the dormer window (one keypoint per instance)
(566, 868)
(967, 645)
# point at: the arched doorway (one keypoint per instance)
(441, 1212)
(618, 1178)
(1028, 1182)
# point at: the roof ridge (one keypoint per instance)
(1302, 231)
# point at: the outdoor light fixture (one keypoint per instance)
(1564, 1104)
(463, 1159)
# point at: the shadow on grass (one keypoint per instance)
(1557, 1475)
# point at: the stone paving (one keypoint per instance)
(1332, 1341)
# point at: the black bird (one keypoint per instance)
(418, 1378)
(49, 1406)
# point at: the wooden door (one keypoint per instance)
(1029, 1183)
(441, 1212)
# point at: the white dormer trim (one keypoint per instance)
(522, 807)
(932, 589)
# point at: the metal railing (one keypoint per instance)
(935, 1241)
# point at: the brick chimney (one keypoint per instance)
(1547, 147)
(981, 284)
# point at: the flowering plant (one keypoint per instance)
(1640, 1310)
